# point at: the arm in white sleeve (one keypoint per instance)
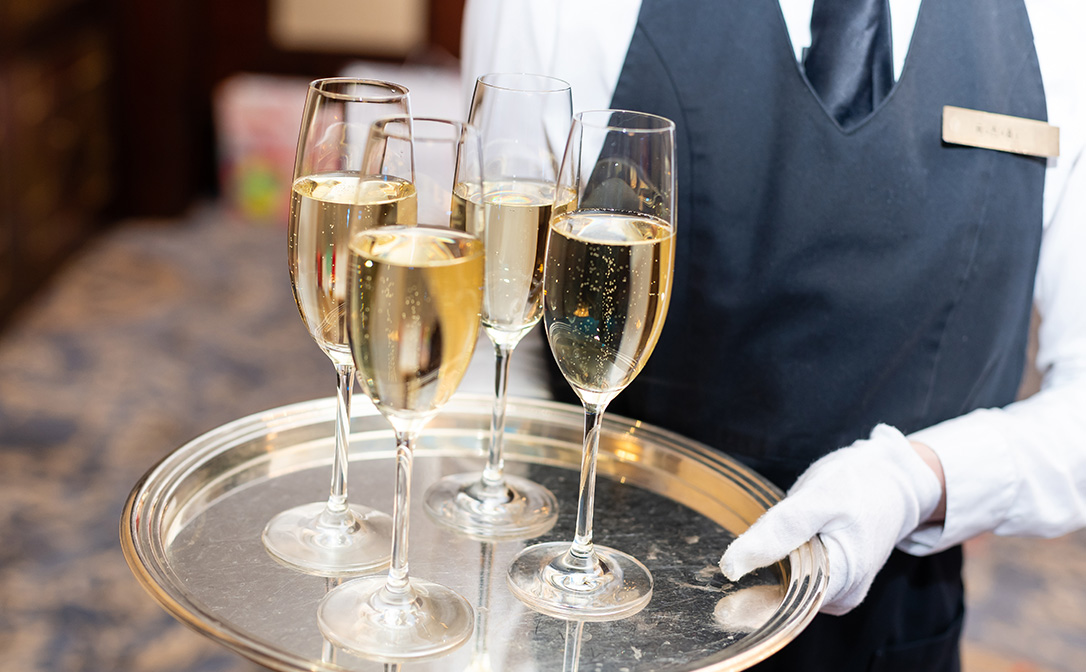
(1021, 470)
(583, 42)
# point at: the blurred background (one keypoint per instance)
(145, 159)
(118, 108)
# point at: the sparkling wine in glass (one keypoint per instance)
(330, 195)
(607, 284)
(523, 120)
(413, 320)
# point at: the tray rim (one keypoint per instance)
(805, 596)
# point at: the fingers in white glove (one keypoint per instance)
(773, 536)
(861, 500)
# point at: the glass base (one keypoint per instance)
(521, 509)
(363, 617)
(611, 586)
(309, 539)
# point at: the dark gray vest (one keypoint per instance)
(828, 280)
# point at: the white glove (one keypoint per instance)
(861, 500)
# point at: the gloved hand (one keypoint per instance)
(861, 500)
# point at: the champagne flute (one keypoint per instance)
(607, 284)
(523, 120)
(335, 537)
(413, 304)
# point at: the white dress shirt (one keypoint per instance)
(1019, 470)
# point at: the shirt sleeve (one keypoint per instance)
(1021, 470)
(583, 42)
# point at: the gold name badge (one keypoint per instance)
(1001, 132)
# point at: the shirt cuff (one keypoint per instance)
(978, 466)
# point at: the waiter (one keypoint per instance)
(853, 288)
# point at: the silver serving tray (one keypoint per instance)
(191, 533)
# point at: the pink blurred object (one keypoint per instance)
(256, 122)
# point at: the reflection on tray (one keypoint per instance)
(191, 532)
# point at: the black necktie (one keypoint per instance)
(849, 63)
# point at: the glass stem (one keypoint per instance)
(574, 631)
(337, 500)
(397, 590)
(494, 472)
(581, 550)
